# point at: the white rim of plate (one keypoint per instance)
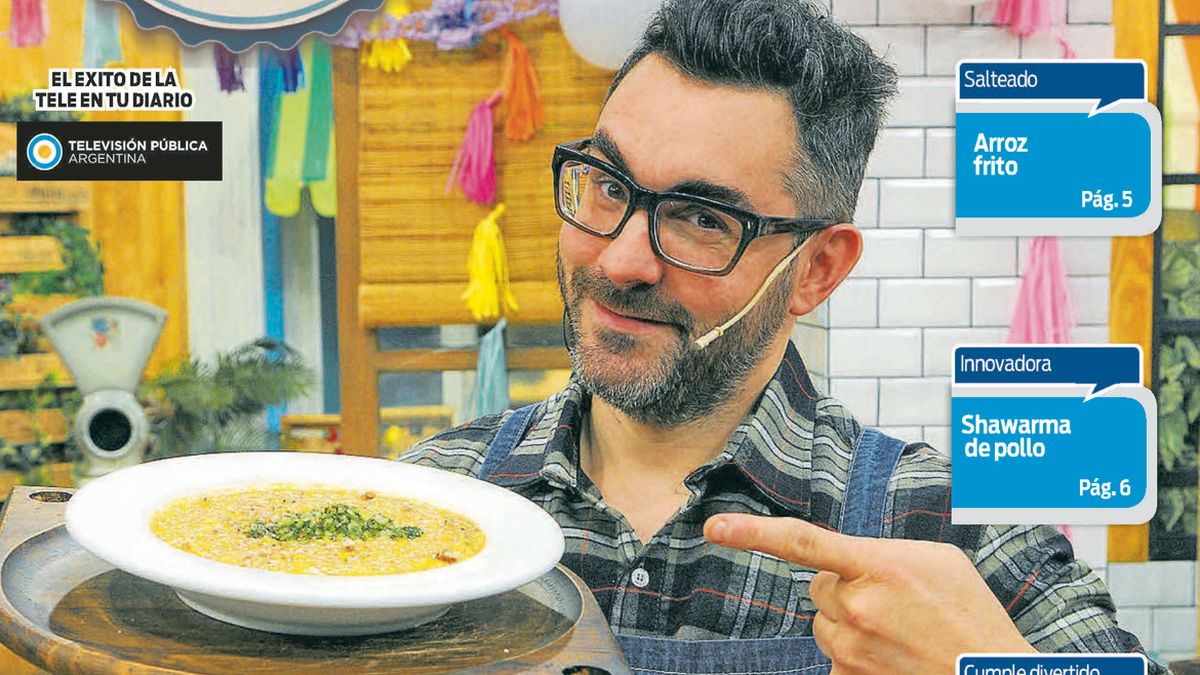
(110, 517)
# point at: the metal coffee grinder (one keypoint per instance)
(105, 343)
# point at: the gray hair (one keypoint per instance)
(835, 83)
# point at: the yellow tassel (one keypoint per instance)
(488, 294)
(390, 55)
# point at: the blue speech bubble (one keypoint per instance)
(1106, 81)
(1101, 366)
(1052, 664)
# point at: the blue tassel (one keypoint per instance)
(491, 373)
(101, 34)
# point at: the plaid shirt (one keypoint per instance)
(789, 457)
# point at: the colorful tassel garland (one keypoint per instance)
(387, 54)
(524, 113)
(292, 67)
(475, 165)
(1026, 17)
(101, 34)
(229, 69)
(488, 294)
(29, 23)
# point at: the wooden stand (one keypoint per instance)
(68, 611)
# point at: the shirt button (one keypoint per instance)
(640, 577)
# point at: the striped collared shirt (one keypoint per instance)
(790, 456)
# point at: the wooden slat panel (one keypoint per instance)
(43, 197)
(30, 370)
(16, 426)
(40, 305)
(418, 304)
(530, 358)
(30, 254)
(411, 125)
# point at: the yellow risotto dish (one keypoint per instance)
(316, 530)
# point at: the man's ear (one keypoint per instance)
(831, 254)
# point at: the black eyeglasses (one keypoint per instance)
(688, 231)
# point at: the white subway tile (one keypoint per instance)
(923, 12)
(855, 304)
(924, 302)
(855, 12)
(1080, 255)
(1090, 335)
(939, 438)
(939, 345)
(1090, 41)
(948, 44)
(992, 301)
(813, 343)
(924, 102)
(1137, 620)
(909, 434)
(901, 46)
(905, 400)
(1174, 629)
(890, 253)
(1089, 11)
(1089, 299)
(916, 202)
(874, 352)
(948, 255)
(1159, 583)
(939, 153)
(898, 153)
(1090, 543)
(866, 213)
(860, 395)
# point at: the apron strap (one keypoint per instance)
(875, 458)
(506, 439)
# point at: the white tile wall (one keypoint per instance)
(992, 301)
(1089, 42)
(907, 434)
(1090, 334)
(901, 46)
(914, 401)
(898, 153)
(855, 12)
(1091, 545)
(948, 44)
(1089, 298)
(923, 11)
(1174, 629)
(938, 438)
(923, 102)
(855, 304)
(890, 253)
(866, 213)
(924, 302)
(875, 352)
(1139, 621)
(813, 343)
(1165, 583)
(939, 153)
(1080, 255)
(947, 255)
(916, 202)
(939, 345)
(1089, 11)
(860, 395)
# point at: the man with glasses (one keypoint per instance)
(710, 208)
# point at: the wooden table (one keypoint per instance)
(68, 611)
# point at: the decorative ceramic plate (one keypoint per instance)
(110, 517)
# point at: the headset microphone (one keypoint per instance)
(717, 332)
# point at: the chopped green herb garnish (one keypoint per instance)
(336, 521)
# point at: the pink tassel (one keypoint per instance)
(29, 23)
(229, 69)
(475, 164)
(1026, 17)
(1043, 314)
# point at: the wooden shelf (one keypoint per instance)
(16, 426)
(30, 254)
(29, 370)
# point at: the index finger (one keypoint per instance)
(793, 540)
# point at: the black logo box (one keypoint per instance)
(159, 165)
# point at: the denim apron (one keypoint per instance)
(874, 459)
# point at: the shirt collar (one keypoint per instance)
(772, 447)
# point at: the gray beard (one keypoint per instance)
(687, 383)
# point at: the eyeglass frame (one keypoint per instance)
(753, 224)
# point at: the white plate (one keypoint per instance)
(110, 517)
